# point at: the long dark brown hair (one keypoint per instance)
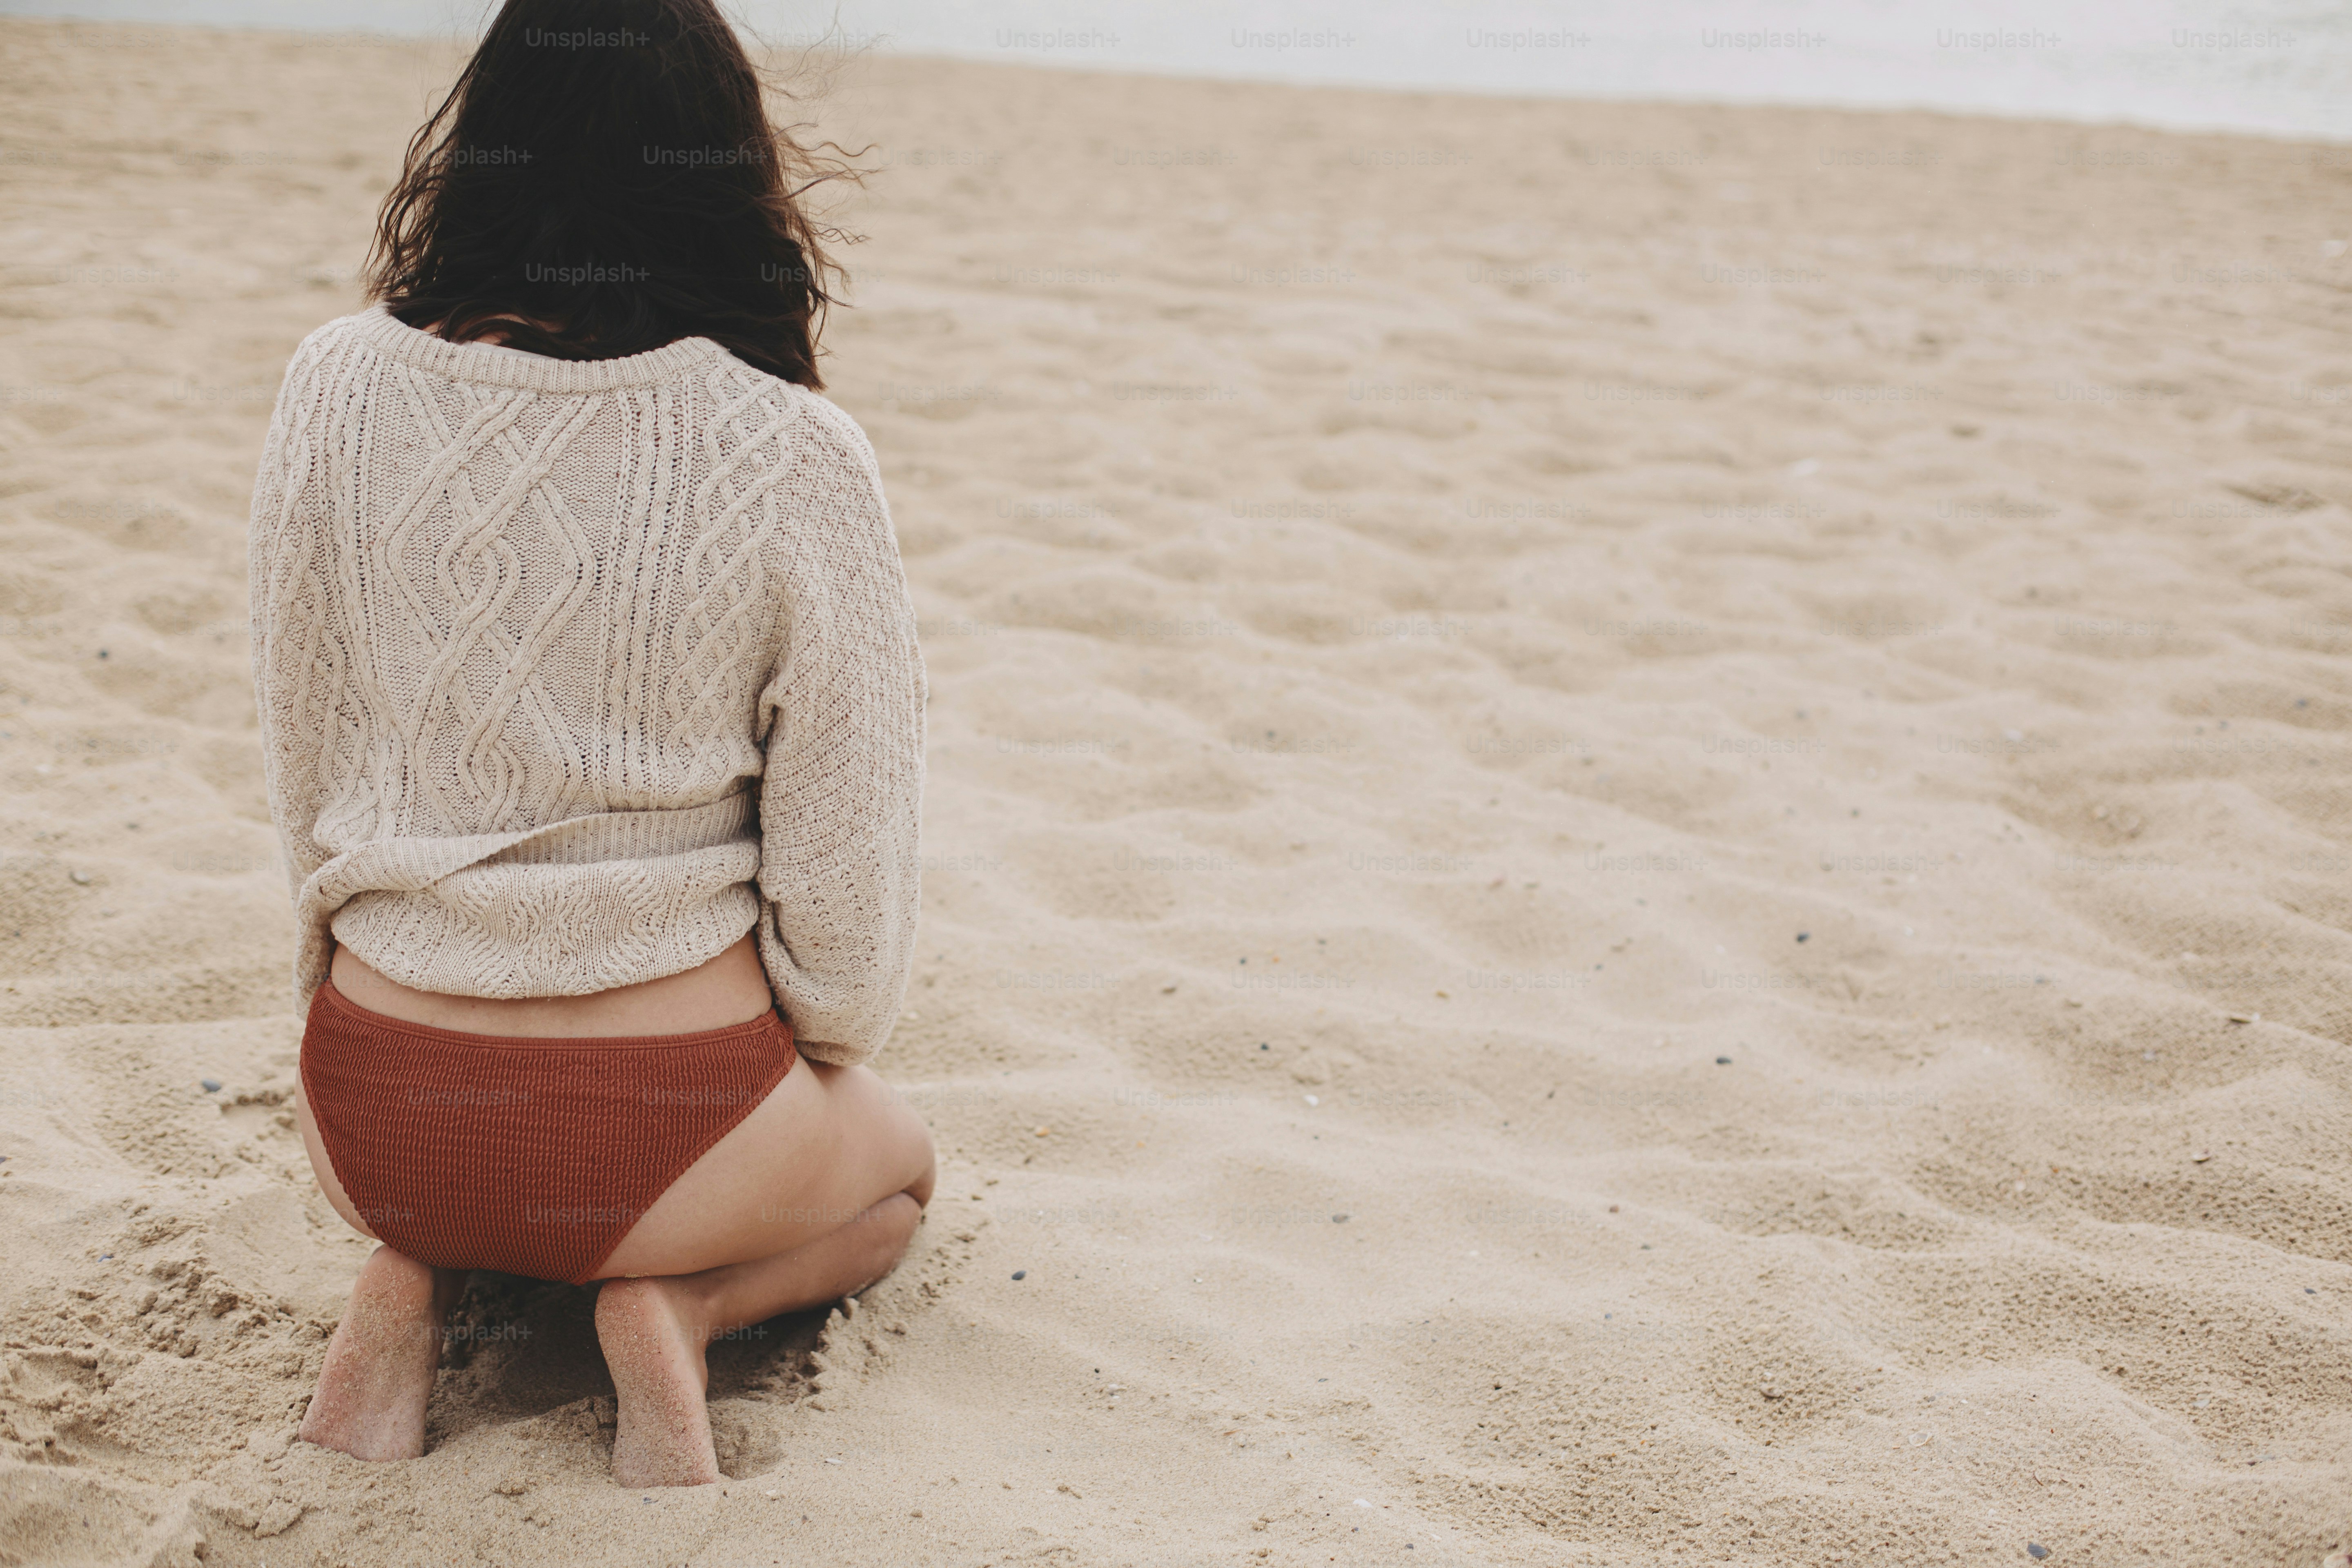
(603, 180)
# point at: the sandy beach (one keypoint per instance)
(1637, 846)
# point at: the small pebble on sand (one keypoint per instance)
(1804, 936)
(1723, 1061)
(1021, 1274)
(2036, 1551)
(212, 1086)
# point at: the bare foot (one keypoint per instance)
(657, 1329)
(370, 1402)
(655, 1338)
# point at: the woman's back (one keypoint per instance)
(574, 672)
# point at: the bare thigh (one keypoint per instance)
(322, 1168)
(826, 1144)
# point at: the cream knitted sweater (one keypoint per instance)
(572, 672)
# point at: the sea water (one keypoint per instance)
(2283, 66)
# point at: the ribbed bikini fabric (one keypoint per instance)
(529, 1156)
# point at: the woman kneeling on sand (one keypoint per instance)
(592, 720)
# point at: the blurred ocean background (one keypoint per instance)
(2283, 66)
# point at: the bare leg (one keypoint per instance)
(656, 1333)
(370, 1403)
(813, 1196)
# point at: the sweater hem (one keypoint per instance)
(691, 941)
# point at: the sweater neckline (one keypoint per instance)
(497, 366)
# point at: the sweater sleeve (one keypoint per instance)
(841, 797)
(294, 655)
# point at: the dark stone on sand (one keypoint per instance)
(1021, 1274)
(2036, 1551)
(1804, 936)
(1723, 1061)
(212, 1086)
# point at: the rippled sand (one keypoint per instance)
(1638, 851)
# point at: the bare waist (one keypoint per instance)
(730, 989)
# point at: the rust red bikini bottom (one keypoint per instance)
(530, 1156)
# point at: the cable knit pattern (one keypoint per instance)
(572, 672)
